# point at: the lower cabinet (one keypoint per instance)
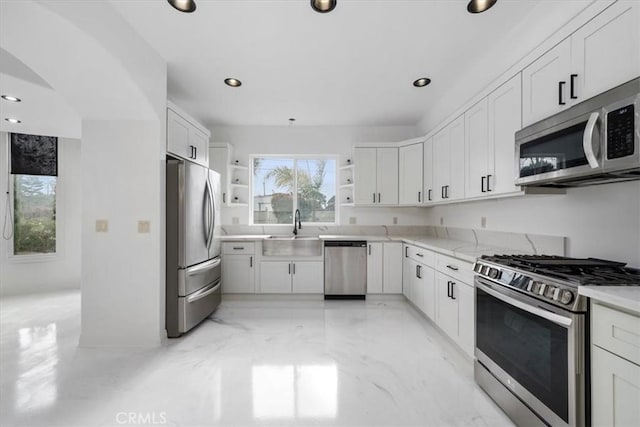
(285, 277)
(418, 283)
(238, 274)
(384, 268)
(456, 310)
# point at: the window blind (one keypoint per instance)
(34, 154)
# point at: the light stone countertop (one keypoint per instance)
(462, 250)
(625, 297)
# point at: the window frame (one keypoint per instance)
(295, 158)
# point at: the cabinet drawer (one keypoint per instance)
(616, 331)
(455, 268)
(238, 248)
(423, 256)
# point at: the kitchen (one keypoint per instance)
(130, 102)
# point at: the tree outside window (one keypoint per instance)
(34, 200)
(281, 185)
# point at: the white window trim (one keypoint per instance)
(333, 157)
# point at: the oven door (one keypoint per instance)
(535, 350)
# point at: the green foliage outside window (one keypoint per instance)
(34, 214)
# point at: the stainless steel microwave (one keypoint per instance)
(594, 142)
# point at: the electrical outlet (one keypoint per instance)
(144, 227)
(352, 220)
(483, 222)
(441, 220)
(395, 220)
(235, 220)
(102, 226)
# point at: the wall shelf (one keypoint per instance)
(239, 185)
(240, 167)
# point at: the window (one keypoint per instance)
(282, 185)
(34, 199)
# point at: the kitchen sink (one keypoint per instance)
(292, 246)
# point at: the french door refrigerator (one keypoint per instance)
(193, 245)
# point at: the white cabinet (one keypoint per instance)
(490, 128)
(447, 311)
(466, 317)
(376, 176)
(238, 267)
(234, 176)
(606, 51)
(186, 138)
(219, 155)
(407, 274)
(374, 268)
(285, 277)
(384, 268)
(427, 172)
(449, 170)
(455, 312)
(600, 55)
(615, 367)
(410, 179)
(418, 281)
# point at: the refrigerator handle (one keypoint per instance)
(211, 213)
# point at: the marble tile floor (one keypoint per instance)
(268, 363)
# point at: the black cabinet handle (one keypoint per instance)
(294, 268)
(238, 248)
(454, 268)
(429, 194)
(419, 194)
(489, 185)
(250, 262)
(446, 191)
(289, 268)
(369, 250)
(406, 252)
(560, 90)
(452, 296)
(448, 288)
(195, 152)
(482, 184)
(419, 254)
(224, 197)
(374, 197)
(572, 88)
(419, 271)
(378, 197)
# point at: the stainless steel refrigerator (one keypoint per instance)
(193, 245)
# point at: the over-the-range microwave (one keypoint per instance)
(594, 142)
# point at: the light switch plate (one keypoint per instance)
(144, 227)
(102, 226)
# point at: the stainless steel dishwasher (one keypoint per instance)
(345, 269)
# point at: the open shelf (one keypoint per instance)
(239, 185)
(346, 167)
(347, 185)
(241, 167)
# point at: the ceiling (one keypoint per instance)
(351, 67)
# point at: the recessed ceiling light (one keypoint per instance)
(186, 6)
(11, 98)
(232, 82)
(12, 120)
(422, 82)
(479, 6)
(323, 6)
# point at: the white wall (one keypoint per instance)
(26, 274)
(338, 140)
(599, 221)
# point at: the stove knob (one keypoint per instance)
(549, 291)
(566, 297)
(494, 273)
(535, 288)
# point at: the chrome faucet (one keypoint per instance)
(297, 224)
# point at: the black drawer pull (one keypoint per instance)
(454, 268)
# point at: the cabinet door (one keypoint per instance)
(410, 180)
(374, 268)
(457, 168)
(615, 390)
(392, 268)
(427, 172)
(466, 316)
(387, 176)
(441, 168)
(541, 88)
(238, 274)
(275, 277)
(505, 108)
(365, 179)
(429, 293)
(407, 273)
(178, 135)
(308, 277)
(606, 51)
(219, 161)
(417, 285)
(477, 148)
(447, 307)
(200, 142)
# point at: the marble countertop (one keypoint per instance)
(625, 297)
(462, 250)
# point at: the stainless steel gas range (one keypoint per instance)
(532, 332)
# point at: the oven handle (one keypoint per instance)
(552, 317)
(587, 140)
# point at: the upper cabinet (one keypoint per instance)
(490, 128)
(376, 175)
(448, 162)
(186, 138)
(410, 187)
(427, 172)
(602, 54)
